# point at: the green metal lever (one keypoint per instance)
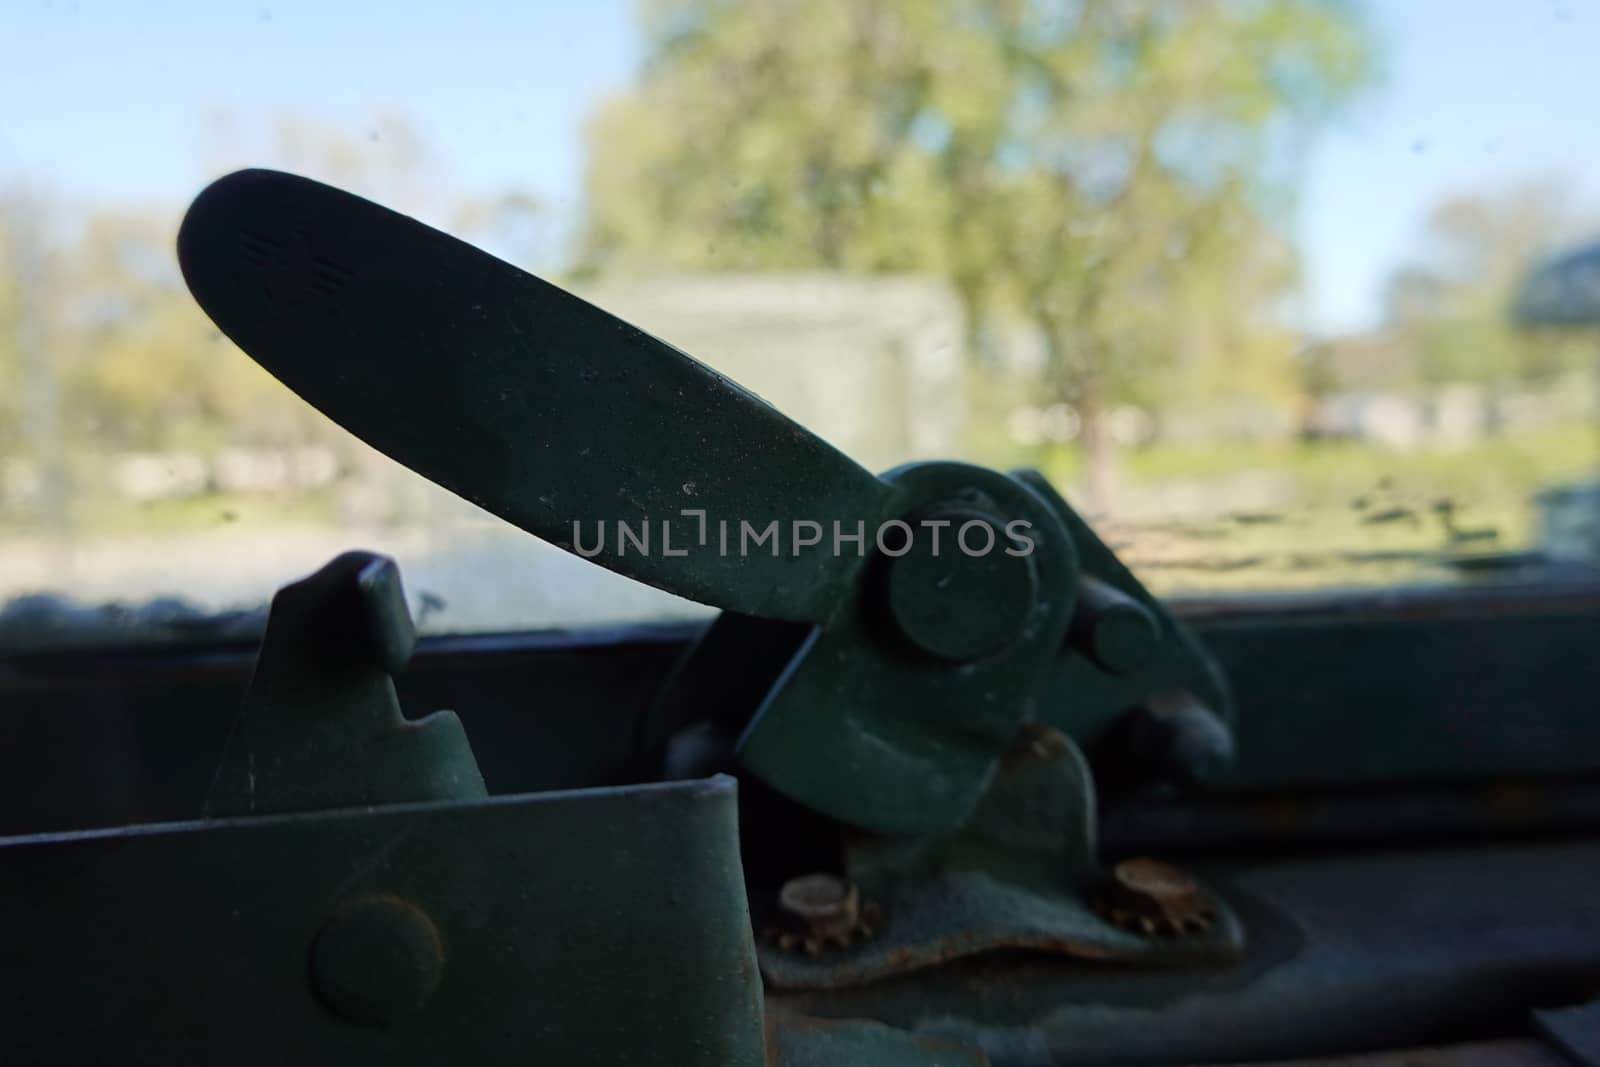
(916, 664)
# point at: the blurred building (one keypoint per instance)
(872, 364)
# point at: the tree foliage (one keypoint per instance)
(1102, 173)
(97, 325)
(1449, 308)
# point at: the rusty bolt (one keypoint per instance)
(826, 905)
(376, 959)
(816, 911)
(1154, 899)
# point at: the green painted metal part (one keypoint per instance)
(1345, 953)
(1016, 877)
(894, 713)
(597, 927)
(913, 721)
(517, 395)
(1082, 698)
(1351, 952)
(1495, 699)
(862, 725)
(321, 726)
(1385, 687)
(340, 922)
(869, 728)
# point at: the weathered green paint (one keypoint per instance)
(1081, 697)
(875, 691)
(1016, 877)
(97, 740)
(1346, 953)
(321, 726)
(598, 927)
(1498, 686)
(517, 395)
(1386, 688)
(875, 732)
(893, 715)
(1114, 630)
(376, 960)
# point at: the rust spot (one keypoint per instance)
(1034, 744)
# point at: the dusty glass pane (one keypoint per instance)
(1249, 279)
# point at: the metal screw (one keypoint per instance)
(376, 959)
(820, 910)
(1155, 899)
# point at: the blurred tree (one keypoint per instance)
(11, 328)
(1102, 172)
(1450, 307)
(143, 366)
(96, 314)
(30, 422)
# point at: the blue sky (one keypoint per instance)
(105, 100)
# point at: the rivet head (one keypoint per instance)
(377, 959)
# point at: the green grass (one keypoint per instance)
(1352, 514)
(1346, 514)
(1497, 468)
(103, 516)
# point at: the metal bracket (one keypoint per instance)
(409, 934)
(1021, 874)
(879, 691)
